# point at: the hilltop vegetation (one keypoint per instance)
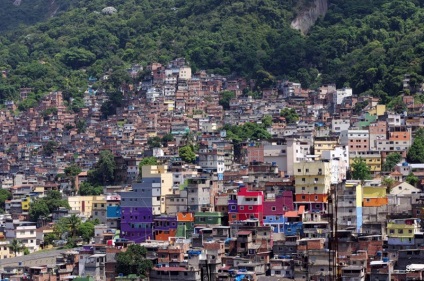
(369, 45)
(17, 13)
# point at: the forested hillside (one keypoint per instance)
(17, 13)
(367, 44)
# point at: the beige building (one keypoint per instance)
(185, 73)
(5, 252)
(166, 182)
(322, 144)
(83, 204)
(312, 184)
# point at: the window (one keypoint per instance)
(400, 231)
(241, 207)
(273, 208)
(250, 207)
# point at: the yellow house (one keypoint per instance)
(83, 204)
(312, 181)
(372, 158)
(166, 182)
(378, 110)
(374, 194)
(403, 228)
(324, 143)
(25, 203)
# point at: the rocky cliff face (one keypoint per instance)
(306, 18)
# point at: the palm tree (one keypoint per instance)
(73, 222)
(16, 246)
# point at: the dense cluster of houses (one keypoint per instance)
(283, 208)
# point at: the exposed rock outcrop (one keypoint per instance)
(307, 18)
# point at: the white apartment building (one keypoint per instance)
(23, 231)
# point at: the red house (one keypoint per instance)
(250, 204)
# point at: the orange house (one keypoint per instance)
(375, 202)
(185, 226)
(312, 198)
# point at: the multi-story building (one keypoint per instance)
(401, 233)
(23, 231)
(322, 144)
(165, 227)
(349, 203)
(372, 158)
(199, 194)
(378, 132)
(250, 204)
(312, 185)
(357, 140)
(113, 211)
(83, 204)
(99, 209)
(339, 125)
(164, 182)
(212, 160)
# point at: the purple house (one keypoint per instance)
(136, 211)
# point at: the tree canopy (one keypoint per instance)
(44, 206)
(416, 151)
(360, 170)
(187, 154)
(290, 115)
(391, 160)
(374, 42)
(4, 195)
(133, 261)
(104, 171)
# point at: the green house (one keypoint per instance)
(202, 218)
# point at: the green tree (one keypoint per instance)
(26, 251)
(187, 154)
(55, 201)
(72, 170)
(86, 230)
(225, 98)
(290, 115)
(49, 238)
(133, 261)
(388, 182)
(391, 160)
(412, 179)
(50, 147)
(416, 151)
(267, 121)
(86, 189)
(16, 246)
(360, 170)
(104, 171)
(38, 209)
(154, 142)
(4, 195)
(167, 138)
(81, 126)
(73, 222)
